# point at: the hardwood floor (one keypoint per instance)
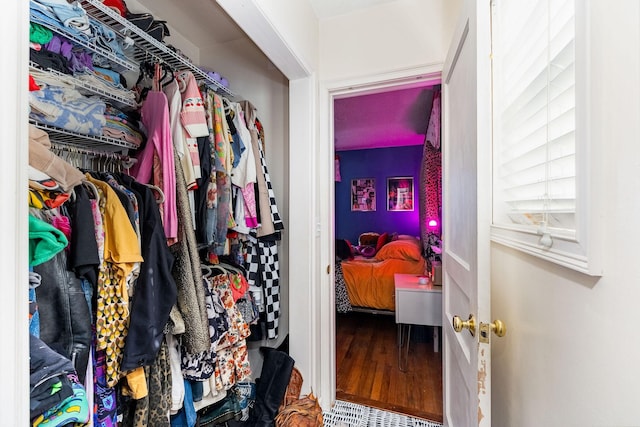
(367, 369)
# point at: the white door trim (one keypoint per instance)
(328, 92)
(14, 264)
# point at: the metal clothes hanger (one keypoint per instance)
(231, 267)
(211, 268)
(159, 193)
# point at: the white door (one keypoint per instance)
(466, 189)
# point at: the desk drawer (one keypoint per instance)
(419, 308)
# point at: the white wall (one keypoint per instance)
(570, 357)
(285, 30)
(176, 39)
(388, 37)
(297, 24)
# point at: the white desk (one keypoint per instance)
(416, 304)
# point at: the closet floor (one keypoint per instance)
(367, 370)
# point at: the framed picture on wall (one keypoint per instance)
(400, 193)
(363, 194)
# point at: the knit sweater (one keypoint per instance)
(192, 115)
(188, 274)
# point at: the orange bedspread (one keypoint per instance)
(370, 282)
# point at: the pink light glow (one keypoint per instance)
(433, 223)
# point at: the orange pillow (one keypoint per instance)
(382, 240)
(400, 249)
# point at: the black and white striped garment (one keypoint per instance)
(275, 216)
(263, 271)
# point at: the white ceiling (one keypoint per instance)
(325, 9)
(205, 23)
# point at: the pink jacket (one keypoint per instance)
(155, 117)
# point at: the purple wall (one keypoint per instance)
(379, 163)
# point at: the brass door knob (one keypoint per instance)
(459, 324)
(498, 327)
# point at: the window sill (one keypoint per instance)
(569, 253)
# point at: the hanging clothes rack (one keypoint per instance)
(86, 158)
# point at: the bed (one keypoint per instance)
(368, 282)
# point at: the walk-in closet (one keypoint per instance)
(158, 189)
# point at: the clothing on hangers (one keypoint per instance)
(138, 298)
(159, 148)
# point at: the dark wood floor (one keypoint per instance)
(367, 369)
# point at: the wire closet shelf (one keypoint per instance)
(67, 137)
(147, 45)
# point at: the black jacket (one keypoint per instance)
(83, 255)
(65, 321)
(155, 291)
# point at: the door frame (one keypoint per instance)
(329, 91)
(14, 174)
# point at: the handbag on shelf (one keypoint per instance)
(141, 20)
(158, 30)
(146, 22)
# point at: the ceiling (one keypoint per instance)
(388, 119)
(385, 119)
(205, 23)
(325, 9)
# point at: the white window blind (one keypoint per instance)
(534, 116)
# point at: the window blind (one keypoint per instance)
(534, 114)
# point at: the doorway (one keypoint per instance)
(366, 367)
